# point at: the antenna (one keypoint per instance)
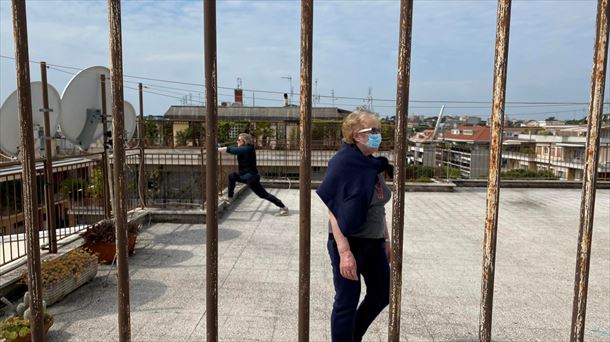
(10, 140)
(438, 122)
(239, 83)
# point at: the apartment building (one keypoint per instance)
(559, 149)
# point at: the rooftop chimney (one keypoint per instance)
(285, 100)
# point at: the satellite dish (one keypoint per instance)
(81, 102)
(81, 120)
(10, 139)
(130, 120)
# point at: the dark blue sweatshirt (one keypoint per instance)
(246, 158)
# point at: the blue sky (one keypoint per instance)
(355, 48)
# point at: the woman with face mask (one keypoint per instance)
(355, 193)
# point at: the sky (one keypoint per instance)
(354, 52)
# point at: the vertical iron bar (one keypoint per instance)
(495, 157)
(400, 138)
(305, 168)
(28, 173)
(209, 31)
(48, 170)
(105, 183)
(119, 177)
(141, 143)
(587, 204)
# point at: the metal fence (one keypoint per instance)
(77, 201)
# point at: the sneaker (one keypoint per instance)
(284, 211)
(225, 199)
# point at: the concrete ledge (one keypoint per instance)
(409, 187)
(514, 183)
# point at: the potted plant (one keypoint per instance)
(66, 273)
(16, 328)
(100, 239)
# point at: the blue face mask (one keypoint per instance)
(374, 141)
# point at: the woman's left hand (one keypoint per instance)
(388, 251)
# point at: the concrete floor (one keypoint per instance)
(259, 261)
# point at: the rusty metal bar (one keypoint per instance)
(120, 176)
(48, 165)
(141, 144)
(587, 204)
(400, 136)
(105, 173)
(28, 173)
(305, 168)
(495, 157)
(209, 32)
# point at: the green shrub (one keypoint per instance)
(527, 174)
(419, 171)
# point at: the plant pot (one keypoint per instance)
(54, 292)
(105, 251)
(28, 337)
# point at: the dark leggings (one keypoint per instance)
(254, 182)
(349, 321)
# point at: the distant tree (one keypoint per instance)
(151, 131)
(183, 136)
(550, 118)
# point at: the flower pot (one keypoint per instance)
(105, 251)
(54, 292)
(27, 338)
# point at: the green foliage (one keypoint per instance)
(415, 172)
(576, 121)
(71, 263)
(421, 128)
(74, 188)
(453, 172)
(14, 327)
(151, 131)
(526, 174)
(263, 132)
(104, 232)
(97, 182)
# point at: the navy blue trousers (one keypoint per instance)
(254, 182)
(349, 321)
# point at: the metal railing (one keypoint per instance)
(77, 201)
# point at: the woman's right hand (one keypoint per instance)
(347, 265)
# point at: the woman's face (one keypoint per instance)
(240, 141)
(361, 135)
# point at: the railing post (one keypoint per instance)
(141, 145)
(211, 224)
(48, 165)
(495, 157)
(305, 168)
(105, 173)
(400, 138)
(28, 173)
(120, 177)
(587, 204)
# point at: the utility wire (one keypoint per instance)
(534, 103)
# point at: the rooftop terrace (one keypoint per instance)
(258, 273)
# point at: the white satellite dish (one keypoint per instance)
(81, 121)
(130, 120)
(81, 102)
(10, 139)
